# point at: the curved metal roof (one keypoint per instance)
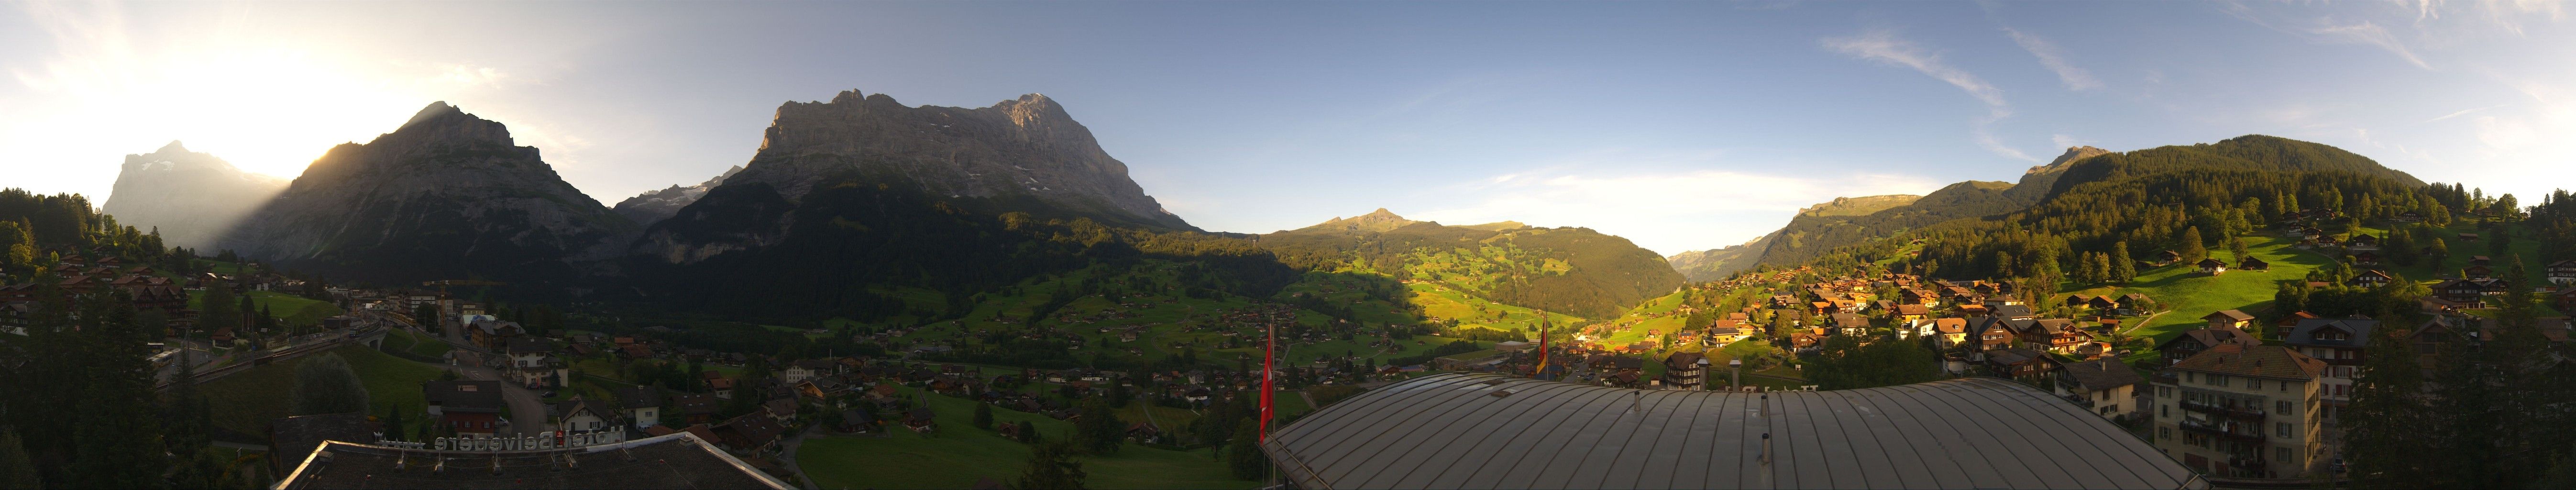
(1453, 431)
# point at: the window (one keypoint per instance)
(2285, 386)
(2253, 384)
(2285, 407)
(2283, 452)
(2283, 430)
(2164, 410)
(2164, 433)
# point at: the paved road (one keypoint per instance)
(527, 410)
(787, 454)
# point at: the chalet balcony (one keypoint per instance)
(2244, 434)
(2240, 412)
(2079, 400)
(2255, 463)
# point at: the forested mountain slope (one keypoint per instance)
(1808, 237)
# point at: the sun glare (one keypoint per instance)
(269, 106)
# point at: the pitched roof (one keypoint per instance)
(2013, 311)
(680, 460)
(2102, 374)
(463, 396)
(2356, 330)
(2213, 336)
(2230, 315)
(2259, 361)
(530, 345)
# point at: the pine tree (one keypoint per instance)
(984, 416)
(116, 432)
(1051, 467)
(16, 470)
(393, 423)
(2124, 267)
(324, 384)
(1245, 458)
(2468, 413)
(2191, 251)
(2385, 424)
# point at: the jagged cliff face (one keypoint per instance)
(1023, 155)
(1025, 147)
(446, 196)
(191, 197)
(656, 205)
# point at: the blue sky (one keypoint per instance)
(1679, 125)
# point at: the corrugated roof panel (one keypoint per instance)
(1447, 431)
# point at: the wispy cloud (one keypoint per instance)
(2464, 112)
(2366, 32)
(2055, 59)
(1885, 47)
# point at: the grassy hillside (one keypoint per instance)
(958, 454)
(245, 402)
(1563, 270)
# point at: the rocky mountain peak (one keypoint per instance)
(1025, 147)
(191, 197)
(445, 195)
(655, 205)
(1377, 221)
(2067, 159)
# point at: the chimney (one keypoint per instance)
(1766, 449)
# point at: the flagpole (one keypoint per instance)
(1269, 349)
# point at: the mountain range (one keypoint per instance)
(445, 196)
(850, 196)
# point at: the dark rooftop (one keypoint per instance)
(2103, 374)
(1483, 431)
(680, 460)
(463, 396)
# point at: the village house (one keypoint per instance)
(2339, 343)
(493, 334)
(2562, 273)
(641, 404)
(1685, 370)
(2212, 267)
(1991, 334)
(2252, 263)
(577, 414)
(1951, 331)
(2192, 342)
(2105, 386)
(695, 408)
(802, 370)
(2014, 311)
(750, 433)
(2019, 363)
(2229, 319)
(2243, 411)
(2057, 335)
(2369, 278)
(533, 364)
(471, 408)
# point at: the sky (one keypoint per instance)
(1681, 126)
